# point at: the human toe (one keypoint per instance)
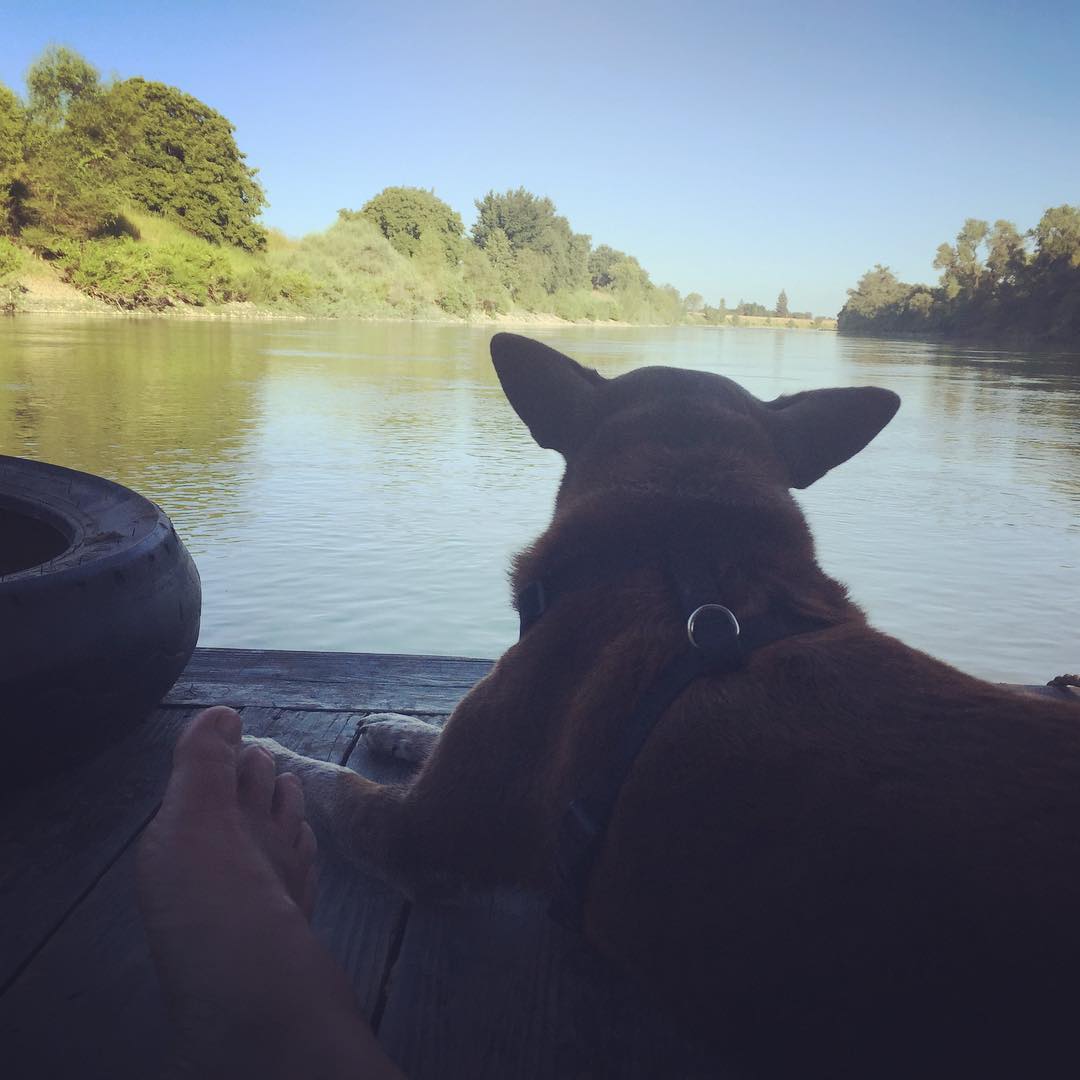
(256, 780)
(305, 856)
(205, 760)
(287, 806)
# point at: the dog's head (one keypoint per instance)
(674, 424)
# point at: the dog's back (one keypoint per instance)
(838, 869)
(846, 859)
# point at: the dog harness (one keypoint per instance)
(716, 644)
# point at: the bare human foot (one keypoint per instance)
(226, 878)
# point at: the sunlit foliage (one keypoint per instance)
(179, 159)
(137, 193)
(417, 223)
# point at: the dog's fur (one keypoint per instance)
(847, 859)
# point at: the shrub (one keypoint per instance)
(124, 272)
(12, 262)
(353, 270)
(11, 259)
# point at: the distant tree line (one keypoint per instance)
(694, 304)
(138, 194)
(995, 282)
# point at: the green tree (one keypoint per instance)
(601, 266)
(531, 224)
(991, 285)
(750, 307)
(782, 305)
(1057, 236)
(1007, 254)
(498, 252)
(71, 157)
(573, 270)
(522, 216)
(12, 133)
(1053, 285)
(615, 270)
(180, 159)
(57, 79)
(879, 296)
(694, 302)
(961, 266)
(921, 304)
(484, 280)
(415, 220)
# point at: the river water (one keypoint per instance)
(361, 486)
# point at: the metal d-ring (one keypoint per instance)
(709, 607)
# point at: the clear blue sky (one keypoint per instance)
(736, 149)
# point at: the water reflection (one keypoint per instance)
(362, 486)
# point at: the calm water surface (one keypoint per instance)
(362, 486)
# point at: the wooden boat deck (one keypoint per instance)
(484, 987)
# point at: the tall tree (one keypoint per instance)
(1057, 236)
(531, 224)
(12, 126)
(782, 305)
(500, 254)
(1006, 255)
(877, 291)
(521, 215)
(961, 266)
(180, 159)
(615, 270)
(70, 152)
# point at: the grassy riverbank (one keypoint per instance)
(42, 290)
(350, 270)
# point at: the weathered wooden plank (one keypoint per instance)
(359, 917)
(490, 987)
(56, 839)
(88, 1003)
(364, 682)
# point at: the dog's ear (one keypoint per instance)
(819, 429)
(556, 397)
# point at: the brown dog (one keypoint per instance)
(837, 855)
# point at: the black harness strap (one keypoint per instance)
(585, 822)
(716, 644)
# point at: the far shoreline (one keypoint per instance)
(48, 295)
(517, 319)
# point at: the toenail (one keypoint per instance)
(229, 725)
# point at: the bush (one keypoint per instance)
(579, 305)
(47, 243)
(12, 262)
(124, 272)
(484, 282)
(353, 270)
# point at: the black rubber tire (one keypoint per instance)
(99, 613)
